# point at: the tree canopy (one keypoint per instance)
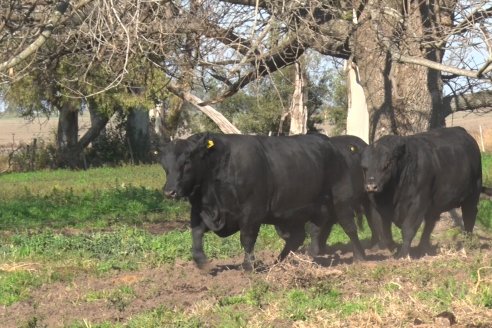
(407, 51)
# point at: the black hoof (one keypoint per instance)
(247, 266)
(201, 262)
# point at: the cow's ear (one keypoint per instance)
(205, 145)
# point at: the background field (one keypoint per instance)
(473, 122)
(102, 248)
(16, 130)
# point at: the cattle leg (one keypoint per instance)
(294, 237)
(387, 241)
(248, 239)
(348, 225)
(198, 229)
(469, 211)
(424, 244)
(319, 236)
(376, 231)
(409, 229)
(380, 225)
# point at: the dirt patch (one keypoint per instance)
(182, 286)
(166, 226)
(155, 228)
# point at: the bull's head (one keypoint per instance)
(176, 161)
(380, 162)
(182, 162)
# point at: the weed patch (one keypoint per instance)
(15, 286)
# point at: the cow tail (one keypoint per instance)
(487, 191)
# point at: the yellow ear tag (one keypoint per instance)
(210, 144)
(353, 149)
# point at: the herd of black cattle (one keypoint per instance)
(239, 182)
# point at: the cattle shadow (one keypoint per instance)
(216, 270)
(260, 267)
(342, 254)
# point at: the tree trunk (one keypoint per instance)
(68, 154)
(357, 114)
(98, 124)
(401, 99)
(138, 135)
(298, 109)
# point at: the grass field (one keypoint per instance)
(102, 248)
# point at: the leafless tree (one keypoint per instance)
(407, 51)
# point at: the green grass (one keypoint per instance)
(484, 217)
(95, 208)
(42, 183)
(85, 199)
(128, 245)
(16, 286)
(73, 223)
(487, 169)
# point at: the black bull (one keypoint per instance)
(351, 148)
(238, 182)
(416, 178)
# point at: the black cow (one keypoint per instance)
(238, 182)
(351, 147)
(416, 178)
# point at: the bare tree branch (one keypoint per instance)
(60, 9)
(439, 67)
(284, 57)
(470, 101)
(475, 17)
(219, 119)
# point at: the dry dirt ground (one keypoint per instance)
(183, 287)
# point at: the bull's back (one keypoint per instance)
(449, 163)
(299, 169)
(280, 174)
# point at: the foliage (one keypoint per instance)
(32, 95)
(48, 92)
(336, 110)
(37, 155)
(111, 146)
(258, 109)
